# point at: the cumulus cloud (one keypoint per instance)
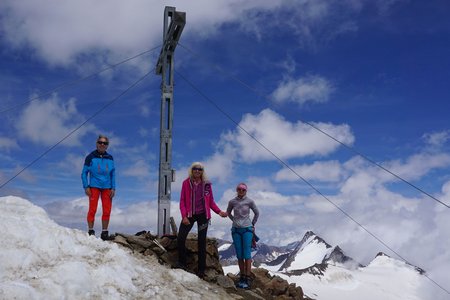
(139, 169)
(260, 184)
(327, 171)
(272, 130)
(54, 29)
(117, 28)
(129, 219)
(307, 89)
(285, 139)
(417, 165)
(274, 199)
(48, 121)
(220, 165)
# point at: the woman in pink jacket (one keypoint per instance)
(196, 201)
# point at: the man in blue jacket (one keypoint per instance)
(99, 179)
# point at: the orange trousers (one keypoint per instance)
(93, 203)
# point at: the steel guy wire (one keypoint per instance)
(359, 153)
(76, 129)
(73, 82)
(282, 162)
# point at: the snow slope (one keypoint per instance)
(312, 252)
(42, 260)
(384, 278)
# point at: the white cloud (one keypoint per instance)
(139, 169)
(72, 163)
(326, 171)
(128, 219)
(318, 204)
(446, 193)
(54, 29)
(437, 139)
(259, 184)
(8, 144)
(115, 28)
(49, 121)
(303, 90)
(218, 168)
(136, 217)
(285, 139)
(417, 165)
(271, 199)
(220, 165)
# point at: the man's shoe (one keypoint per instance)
(104, 236)
(91, 232)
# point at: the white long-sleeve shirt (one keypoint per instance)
(241, 212)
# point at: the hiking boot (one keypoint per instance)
(104, 236)
(91, 232)
(241, 280)
(248, 280)
(243, 284)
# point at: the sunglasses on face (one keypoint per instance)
(197, 169)
(102, 143)
(241, 190)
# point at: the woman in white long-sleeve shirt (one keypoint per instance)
(242, 230)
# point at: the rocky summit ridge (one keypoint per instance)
(263, 284)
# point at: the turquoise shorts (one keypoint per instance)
(242, 240)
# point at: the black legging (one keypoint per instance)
(202, 225)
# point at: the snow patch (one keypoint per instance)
(42, 260)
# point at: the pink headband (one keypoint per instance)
(242, 186)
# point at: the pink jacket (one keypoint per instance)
(187, 199)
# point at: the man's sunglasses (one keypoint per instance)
(102, 143)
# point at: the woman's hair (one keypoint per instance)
(101, 136)
(199, 165)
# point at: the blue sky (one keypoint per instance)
(373, 74)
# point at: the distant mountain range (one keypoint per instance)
(325, 272)
(286, 258)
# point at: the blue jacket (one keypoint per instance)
(101, 169)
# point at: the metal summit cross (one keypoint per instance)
(164, 66)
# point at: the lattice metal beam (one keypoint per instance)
(164, 67)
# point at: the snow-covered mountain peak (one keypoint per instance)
(311, 250)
